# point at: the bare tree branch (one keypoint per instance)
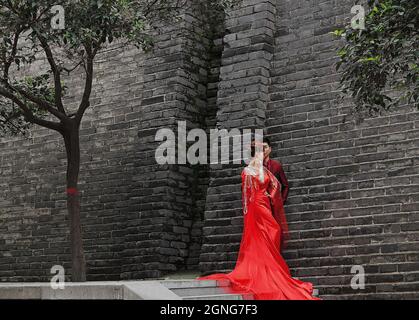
(39, 102)
(9, 61)
(29, 116)
(8, 121)
(84, 104)
(69, 70)
(55, 70)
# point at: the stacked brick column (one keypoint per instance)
(163, 227)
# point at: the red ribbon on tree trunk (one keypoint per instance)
(72, 191)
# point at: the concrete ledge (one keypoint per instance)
(148, 290)
(111, 290)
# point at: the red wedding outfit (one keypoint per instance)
(260, 269)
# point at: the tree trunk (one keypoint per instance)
(72, 145)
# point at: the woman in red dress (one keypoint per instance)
(260, 269)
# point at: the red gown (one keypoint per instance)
(260, 269)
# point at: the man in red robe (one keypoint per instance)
(275, 167)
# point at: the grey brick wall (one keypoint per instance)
(354, 187)
(33, 216)
(139, 218)
(163, 230)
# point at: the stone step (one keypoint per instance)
(185, 292)
(220, 297)
(181, 284)
(202, 290)
(125, 290)
(191, 289)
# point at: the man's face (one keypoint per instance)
(266, 150)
